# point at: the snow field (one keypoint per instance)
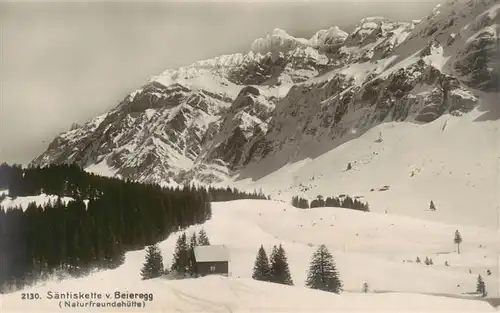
(449, 161)
(365, 246)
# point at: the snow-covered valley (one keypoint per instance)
(379, 249)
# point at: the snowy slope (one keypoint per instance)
(217, 294)
(23, 202)
(453, 161)
(368, 247)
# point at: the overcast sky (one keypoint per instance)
(62, 63)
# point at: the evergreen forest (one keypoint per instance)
(105, 218)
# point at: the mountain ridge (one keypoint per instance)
(291, 98)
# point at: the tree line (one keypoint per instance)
(106, 218)
(343, 201)
(69, 180)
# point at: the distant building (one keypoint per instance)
(212, 259)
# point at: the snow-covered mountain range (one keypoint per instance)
(413, 109)
(247, 115)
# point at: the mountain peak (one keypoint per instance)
(278, 41)
(325, 37)
(280, 32)
(372, 19)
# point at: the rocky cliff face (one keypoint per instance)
(291, 98)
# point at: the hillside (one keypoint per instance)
(453, 161)
(368, 247)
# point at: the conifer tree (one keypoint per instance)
(153, 265)
(322, 273)
(481, 286)
(274, 252)
(432, 207)
(261, 269)
(303, 203)
(365, 287)
(321, 201)
(418, 260)
(203, 238)
(349, 166)
(192, 260)
(300, 202)
(458, 240)
(193, 242)
(180, 262)
(280, 272)
(427, 262)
